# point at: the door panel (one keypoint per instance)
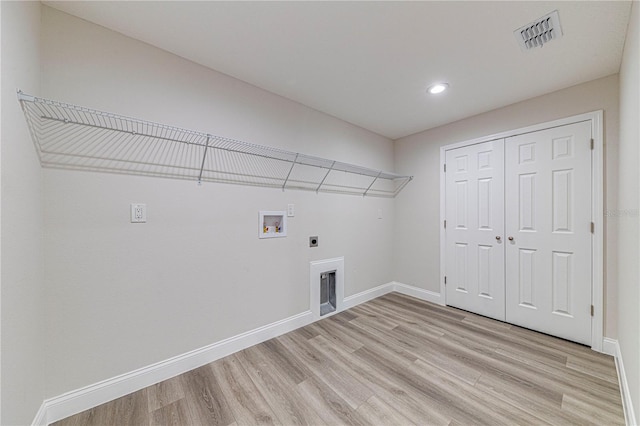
(548, 217)
(475, 217)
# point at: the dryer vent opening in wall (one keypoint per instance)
(539, 32)
(327, 292)
(326, 280)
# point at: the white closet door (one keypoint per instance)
(548, 229)
(475, 227)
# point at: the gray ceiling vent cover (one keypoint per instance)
(539, 32)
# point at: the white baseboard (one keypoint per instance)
(609, 346)
(612, 347)
(365, 296)
(418, 293)
(627, 403)
(41, 416)
(79, 400)
(82, 399)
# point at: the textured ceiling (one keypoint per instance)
(369, 63)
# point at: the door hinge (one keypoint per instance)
(445, 168)
(445, 280)
(593, 227)
(592, 143)
(592, 310)
(445, 224)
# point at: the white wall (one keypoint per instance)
(22, 280)
(122, 296)
(629, 184)
(417, 233)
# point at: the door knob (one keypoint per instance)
(498, 237)
(510, 238)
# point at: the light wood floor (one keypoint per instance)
(392, 361)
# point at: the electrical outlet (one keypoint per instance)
(291, 210)
(138, 213)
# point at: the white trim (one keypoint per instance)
(41, 416)
(609, 346)
(443, 217)
(419, 293)
(597, 239)
(365, 296)
(597, 169)
(627, 402)
(316, 268)
(529, 129)
(82, 399)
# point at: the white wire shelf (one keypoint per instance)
(72, 137)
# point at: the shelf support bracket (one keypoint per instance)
(290, 170)
(23, 97)
(325, 176)
(371, 184)
(204, 157)
(401, 187)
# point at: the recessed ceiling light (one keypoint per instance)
(437, 88)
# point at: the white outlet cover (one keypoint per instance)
(138, 213)
(291, 212)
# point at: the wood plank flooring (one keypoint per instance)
(394, 360)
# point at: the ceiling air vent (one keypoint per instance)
(539, 32)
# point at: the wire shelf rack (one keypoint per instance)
(73, 137)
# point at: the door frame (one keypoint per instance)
(597, 208)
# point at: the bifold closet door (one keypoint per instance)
(474, 231)
(548, 230)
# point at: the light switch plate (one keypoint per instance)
(291, 212)
(138, 213)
